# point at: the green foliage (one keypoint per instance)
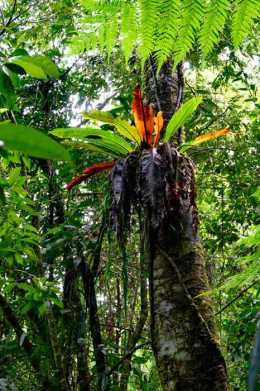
(214, 21)
(128, 35)
(29, 66)
(7, 93)
(45, 233)
(122, 126)
(97, 137)
(92, 134)
(180, 117)
(191, 12)
(146, 19)
(40, 67)
(166, 27)
(248, 265)
(18, 236)
(100, 146)
(244, 14)
(31, 141)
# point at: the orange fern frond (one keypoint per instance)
(209, 136)
(158, 125)
(148, 126)
(149, 123)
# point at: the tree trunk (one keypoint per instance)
(184, 338)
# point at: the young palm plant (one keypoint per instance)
(151, 174)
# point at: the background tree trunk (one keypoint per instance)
(184, 338)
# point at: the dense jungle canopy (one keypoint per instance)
(129, 193)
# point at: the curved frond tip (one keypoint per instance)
(88, 172)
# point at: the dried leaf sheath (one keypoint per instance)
(155, 181)
(124, 194)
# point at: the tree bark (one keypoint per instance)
(165, 90)
(184, 337)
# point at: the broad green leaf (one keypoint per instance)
(3, 110)
(96, 146)
(13, 76)
(47, 65)
(7, 90)
(19, 52)
(31, 141)
(122, 126)
(6, 87)
(16, 69)
(29, 66)
(180, 117)
(89, 147)
(90, 134)
(116, 148)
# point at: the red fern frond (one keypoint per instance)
(138, 112)
(90, 171)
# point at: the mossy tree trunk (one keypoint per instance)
(183, 332)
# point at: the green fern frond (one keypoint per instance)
(111, 31)
(146, 10)
(245, 12)
(213, 24)
(163, 27)
(102, 20)
(168, 13)
(101, 37)
(250, 273)
(128, 29)
(90, 5)
(192, 12)
(77, 44)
